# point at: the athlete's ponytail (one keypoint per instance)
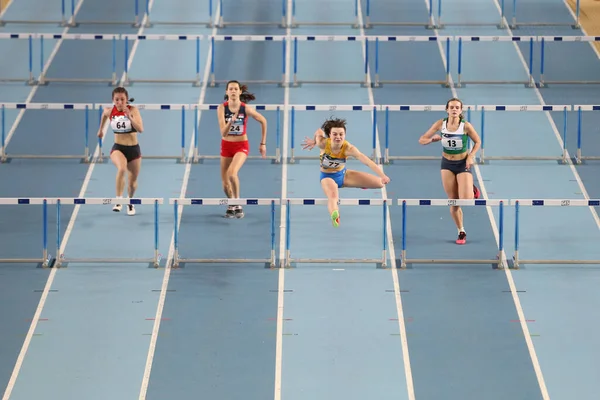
(121, 89)
(245, 97)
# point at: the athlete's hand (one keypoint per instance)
(436, 138)
(100, 134)
(469, 162)
(308, 143)
(385, 179)
(263, 150)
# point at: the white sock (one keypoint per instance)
(462, 230)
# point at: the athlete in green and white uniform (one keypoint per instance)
(456, 158)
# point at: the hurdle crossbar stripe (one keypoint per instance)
(45, 260)
(404, 261)
(517, 203)
(62, 259)
(176, 202)
(383, 203)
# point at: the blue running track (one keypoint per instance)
(315, 331)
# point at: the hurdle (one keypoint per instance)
(181, 158)
(275, 159)
(29, 37)
(289, 261)
(45, 260)
(80, 36)
(518, 203)
(331, 38)
(222, 23)
(73, 22)
(543, 83)
(441, 25)
(429, 24)
(579, 158)
(64, 21)
(516, 24)
(180, 202)
(529, 82)
(6, 157)
(387, 158)
(498, 261)
(62, 259)
(179, 38)
(523, 108)
(377, 82)
(250, 38)
(150, 23)
(295, 23)
(293, 158)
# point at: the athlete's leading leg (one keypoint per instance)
(119, 160)
(358, 179)
(331, 191)
(225, 163)
(234, 181)
(133, 167)
(451, 188)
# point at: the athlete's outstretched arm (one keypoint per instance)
(428, 137)
(354, 152)
(224, 126)
(318, 140)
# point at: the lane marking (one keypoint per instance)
(53, 272)
(283, 222)
(184, 185)
(392, 251)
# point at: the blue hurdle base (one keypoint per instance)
(183, 264)
(381, 84)
(527, 85)
(525, 24)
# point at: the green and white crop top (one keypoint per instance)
(454, 142)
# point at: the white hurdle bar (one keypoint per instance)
(379, 262)
(518, 203)
(62, 258)
(179, 202)
(404, 261)
(579, 158)
(5, 156)
(45, 260)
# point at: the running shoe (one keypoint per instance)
(230, 212)
(476, 192)
(117, 207)
(462, 238)
(130, 209)
(335, 218)
(238, 212)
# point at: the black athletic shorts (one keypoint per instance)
(131, 153)
(456, 166)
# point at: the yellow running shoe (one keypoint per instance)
(335, 218)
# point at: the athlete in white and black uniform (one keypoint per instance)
(456, 159)
(126, 123)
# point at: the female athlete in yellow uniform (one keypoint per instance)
(335, 150)
(456, 158)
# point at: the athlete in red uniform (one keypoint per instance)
(126, 123)
(233, 118)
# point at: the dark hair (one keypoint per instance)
(461, 116)
(333, 123)
(246, 96)
(121, 89)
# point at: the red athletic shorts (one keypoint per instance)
(229, 149)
